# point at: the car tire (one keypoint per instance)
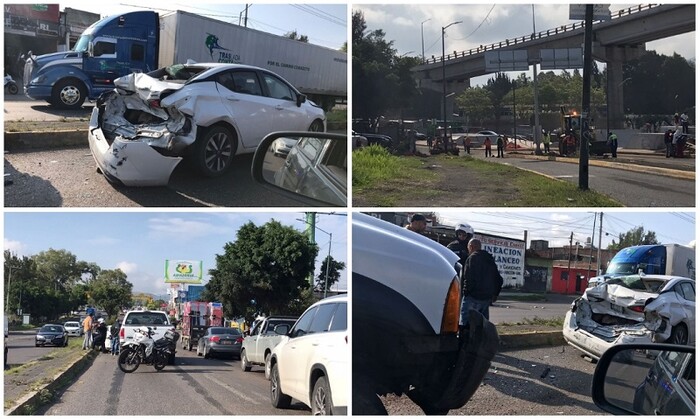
(171, 359)
(321, 398)
(68, 94)
(198, 352)
(267, 365)
(245, 364)
(277, 397)
(214, 151)
(316, 126)
(206, 353)
(36, 344)
(679, 335)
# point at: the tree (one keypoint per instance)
(295, 36)
(476, 103)
(634, 237)
(111, 291)
(264, 270)
(334, 269)
(498, 87)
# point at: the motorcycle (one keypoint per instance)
(10, 85)
(143, 349)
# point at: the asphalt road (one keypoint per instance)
(19, 107)
(193, 386)
(507, 310)
(22, 349)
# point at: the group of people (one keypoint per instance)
(95, 332)
(481, 281)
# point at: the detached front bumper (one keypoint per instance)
(128, 162)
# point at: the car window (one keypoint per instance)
(256, 329)
(335, 160)
(245, 82)
(277, 88)
(304, 323)
(229, 331)
(274, 323)
(340, 318)
(322, 320)
(311, 147)
(687, 291)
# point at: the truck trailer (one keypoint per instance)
(145, 41)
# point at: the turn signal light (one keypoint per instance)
(450, 316)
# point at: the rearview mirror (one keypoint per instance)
(309, 167)
(301, 98)
(281, 329)
(646, 379)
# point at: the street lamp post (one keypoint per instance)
(444, 88)
(422, 43)
(328, 261)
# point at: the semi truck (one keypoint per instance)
(144, 41)
(667, 259)
(196, 318)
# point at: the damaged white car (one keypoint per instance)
(207, 112)
(632, 310)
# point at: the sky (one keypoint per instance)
(324, 24)
(483, 24)
(556, 225)
(140, 242)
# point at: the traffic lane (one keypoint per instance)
(194, 386)
(633, 189)
(20, 107)
(68, 178)
(21, 348)
(541, 381)
(512, 311)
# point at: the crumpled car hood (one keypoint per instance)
(145, 86)
(601, 296)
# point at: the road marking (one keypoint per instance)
(238, 393)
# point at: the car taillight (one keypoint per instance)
(214, 339)
(239, 340)
(154, 103)
(450, 316)
(637, 308)
(121, 333)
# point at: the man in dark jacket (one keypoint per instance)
(481, 282)
(463, 233)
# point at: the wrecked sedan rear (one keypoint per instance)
(206, 112)
(620, 311)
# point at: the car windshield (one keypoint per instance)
(225, 331)
(621, 268)
(51, 328)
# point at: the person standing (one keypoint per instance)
(463, 233)
(87, 330)
(487, 147)
(684, 122)
(612, 142)
(467, 141)
(547, 140)
(499, 147)
(481, 282)
(114, 331)
(668, 139)
(418, 223)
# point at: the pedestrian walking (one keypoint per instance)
(684, 122)
(87, 330)
(668, 139)
(481, 282)
(612, 143)
(487, 147)
(499, 146)
(547, 141)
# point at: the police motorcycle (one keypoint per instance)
(143, 349)
(10, 85)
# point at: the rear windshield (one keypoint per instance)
(228, 331)
(71, 324)
(51, 328)
(146, 318)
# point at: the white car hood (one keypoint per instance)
(415, 266)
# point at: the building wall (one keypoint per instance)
(577, 283)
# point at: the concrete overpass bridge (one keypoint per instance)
(616, 41)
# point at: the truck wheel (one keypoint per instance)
(214, 151)
(321, 399)
(245, 364)
(278, 399)
(69, 94)
(267, 365)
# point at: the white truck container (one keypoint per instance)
(318, 72)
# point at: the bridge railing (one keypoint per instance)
(539, 35)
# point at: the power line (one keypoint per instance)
(319, 14)
(477, 28)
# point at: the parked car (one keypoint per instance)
(406, 307)
(477, 139)
(219, 341)
(264, 336)
(311, 363)
(53, 334)
(314, 172)
(646, 379)
(283, 145)
(359, 141)
(73, 328)
(140, 131)
(374, 138)
(633, 309)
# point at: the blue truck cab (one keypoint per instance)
(110, 48)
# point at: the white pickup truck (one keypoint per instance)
(158, 320)
(257, 347)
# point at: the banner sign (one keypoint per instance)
(509, 255)
(183, 271)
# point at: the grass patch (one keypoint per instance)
(551, 322)
(337, 116)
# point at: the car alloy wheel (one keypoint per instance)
(215, 150)
(321, 404)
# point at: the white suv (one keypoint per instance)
(311, 363)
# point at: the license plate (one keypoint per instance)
(226, 342)
(617, 308)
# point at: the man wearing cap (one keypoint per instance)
(418, 223)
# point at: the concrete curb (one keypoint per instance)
(530, 339)
(33, 399)
(38, 140)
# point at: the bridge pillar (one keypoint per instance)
(614, 58)
(452, 86)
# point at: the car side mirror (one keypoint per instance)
(645, 379)
(308, 167)
(301, 98)
(281, 329)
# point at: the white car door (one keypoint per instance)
(243, 97)
(289, 116)
(289, 358)
(688, 302)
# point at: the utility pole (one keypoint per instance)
(537, 130)
(311, 233)
(328, 264)
(444, 87)
(600, 241)
(568, 270)
(586, 105)
(422, 43)
(246, 14)
(590, 254)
